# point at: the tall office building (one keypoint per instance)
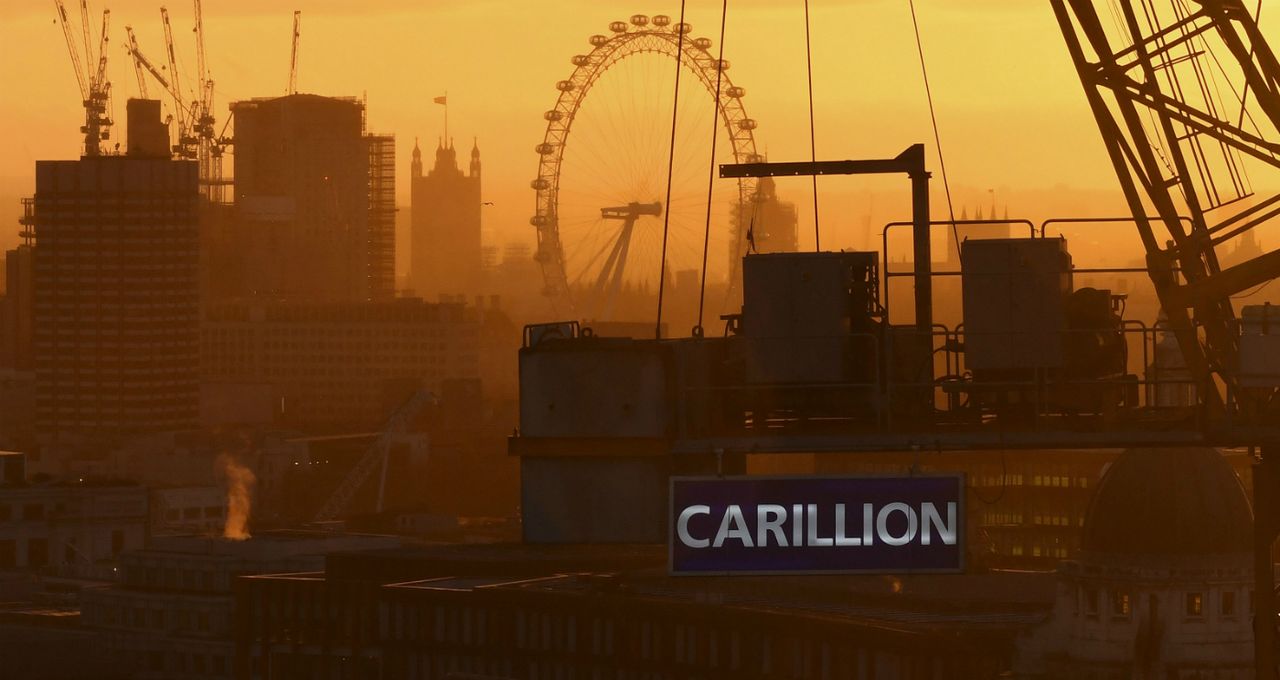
(314, 203)
(445, 227)
(116, 294)
(16, 310)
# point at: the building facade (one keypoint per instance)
(314, 203)
(445, 225)
(73, 529)
(1163, 585)
(527, 612)
(171, 612)
(17, 310)
(116, 295)
(341, 366)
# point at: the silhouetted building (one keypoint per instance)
(170, 614)
(445, 233)
(526, 612)
(17, 310)
(116, 295)
(772, 222)
(314, 197)
(336, 366)
(1163, 585)
(72, 529)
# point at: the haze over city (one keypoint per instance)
(1001, 81)
(765, 339)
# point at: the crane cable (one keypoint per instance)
(933, 117)
(711, 174)
(681, 29)
(813, 148)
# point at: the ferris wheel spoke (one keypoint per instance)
(621, 154)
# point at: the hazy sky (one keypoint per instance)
(1012, 114)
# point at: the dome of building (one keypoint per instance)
(1169, 502)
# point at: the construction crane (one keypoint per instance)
(293, 53)
(374, 458)
(139, 70)
(95, 88)
(185, 147)
(1178, 146)
(141, 64)
(210, 145)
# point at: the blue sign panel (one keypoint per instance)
(817, 525)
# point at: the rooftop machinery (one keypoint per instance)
(1186, 95)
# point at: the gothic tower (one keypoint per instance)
(445, 226)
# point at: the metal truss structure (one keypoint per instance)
(638, 36)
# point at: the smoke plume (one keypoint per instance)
(240, 481)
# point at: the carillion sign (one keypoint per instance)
(814, 525)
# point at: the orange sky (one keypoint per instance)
(1012, 114)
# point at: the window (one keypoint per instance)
(1195, 604)
(1120, 606)
(1091, 602)
(33, 511)
(6, 513)
(37, 552)
(117, 541)
(1229, 603)
(8, 554)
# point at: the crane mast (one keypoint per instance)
(293, 53)
(95, 88)
(1181, 150)
(174, 80)
(1179, 154)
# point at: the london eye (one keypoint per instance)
(600, 191)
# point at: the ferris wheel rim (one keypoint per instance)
(629, 39)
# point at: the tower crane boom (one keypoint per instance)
(374, 458)
(138, 69)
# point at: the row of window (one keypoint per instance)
(1120, 603)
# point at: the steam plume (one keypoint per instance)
(240, 481)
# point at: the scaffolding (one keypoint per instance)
(382, 216)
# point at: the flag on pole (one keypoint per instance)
(441, 100)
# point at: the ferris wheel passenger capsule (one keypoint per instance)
(597, 40)
(565, 86)
(736, 92)
(747, 124)
(639, 20)
(553, 115)
(580, 60)
(545, 148)
(683, 29)
(539, 220)
(661, 20)
(618, 27)
(703, 44)
(540, 184)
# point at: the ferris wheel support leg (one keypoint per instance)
(1266, 527)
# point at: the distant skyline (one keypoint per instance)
(1011, 111)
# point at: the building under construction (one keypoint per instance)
(314, 204)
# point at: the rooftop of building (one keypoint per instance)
(267, 545)
(1161, 503)
(296, 98)
(997, 600)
